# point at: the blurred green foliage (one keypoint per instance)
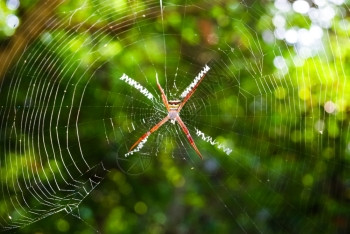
(288, 172)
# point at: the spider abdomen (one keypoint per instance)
(173, 114)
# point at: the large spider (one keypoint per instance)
(174, 107)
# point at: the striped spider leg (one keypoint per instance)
(174, 107)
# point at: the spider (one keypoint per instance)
(174, 107)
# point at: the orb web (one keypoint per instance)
(269, 117)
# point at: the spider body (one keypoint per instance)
(173, 110)
(172, 116)
(174, 107)
(174, 104)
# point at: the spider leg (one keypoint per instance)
(188, 135)
(155, 127)
(190, 93)
(164, 98)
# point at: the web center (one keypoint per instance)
(172, 115)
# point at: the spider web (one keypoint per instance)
(269, 117)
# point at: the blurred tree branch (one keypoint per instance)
(33, 24)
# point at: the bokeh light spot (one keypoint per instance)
(291, 36)
(62, 225)
(330, 107)
(140, 208)
(279, 21)
(308, 180)
(12, 4)
(280, 93)
(301, 6)
(304, 94)
(319, 126)
(279, 62)
(283, 5)
(12, 21)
